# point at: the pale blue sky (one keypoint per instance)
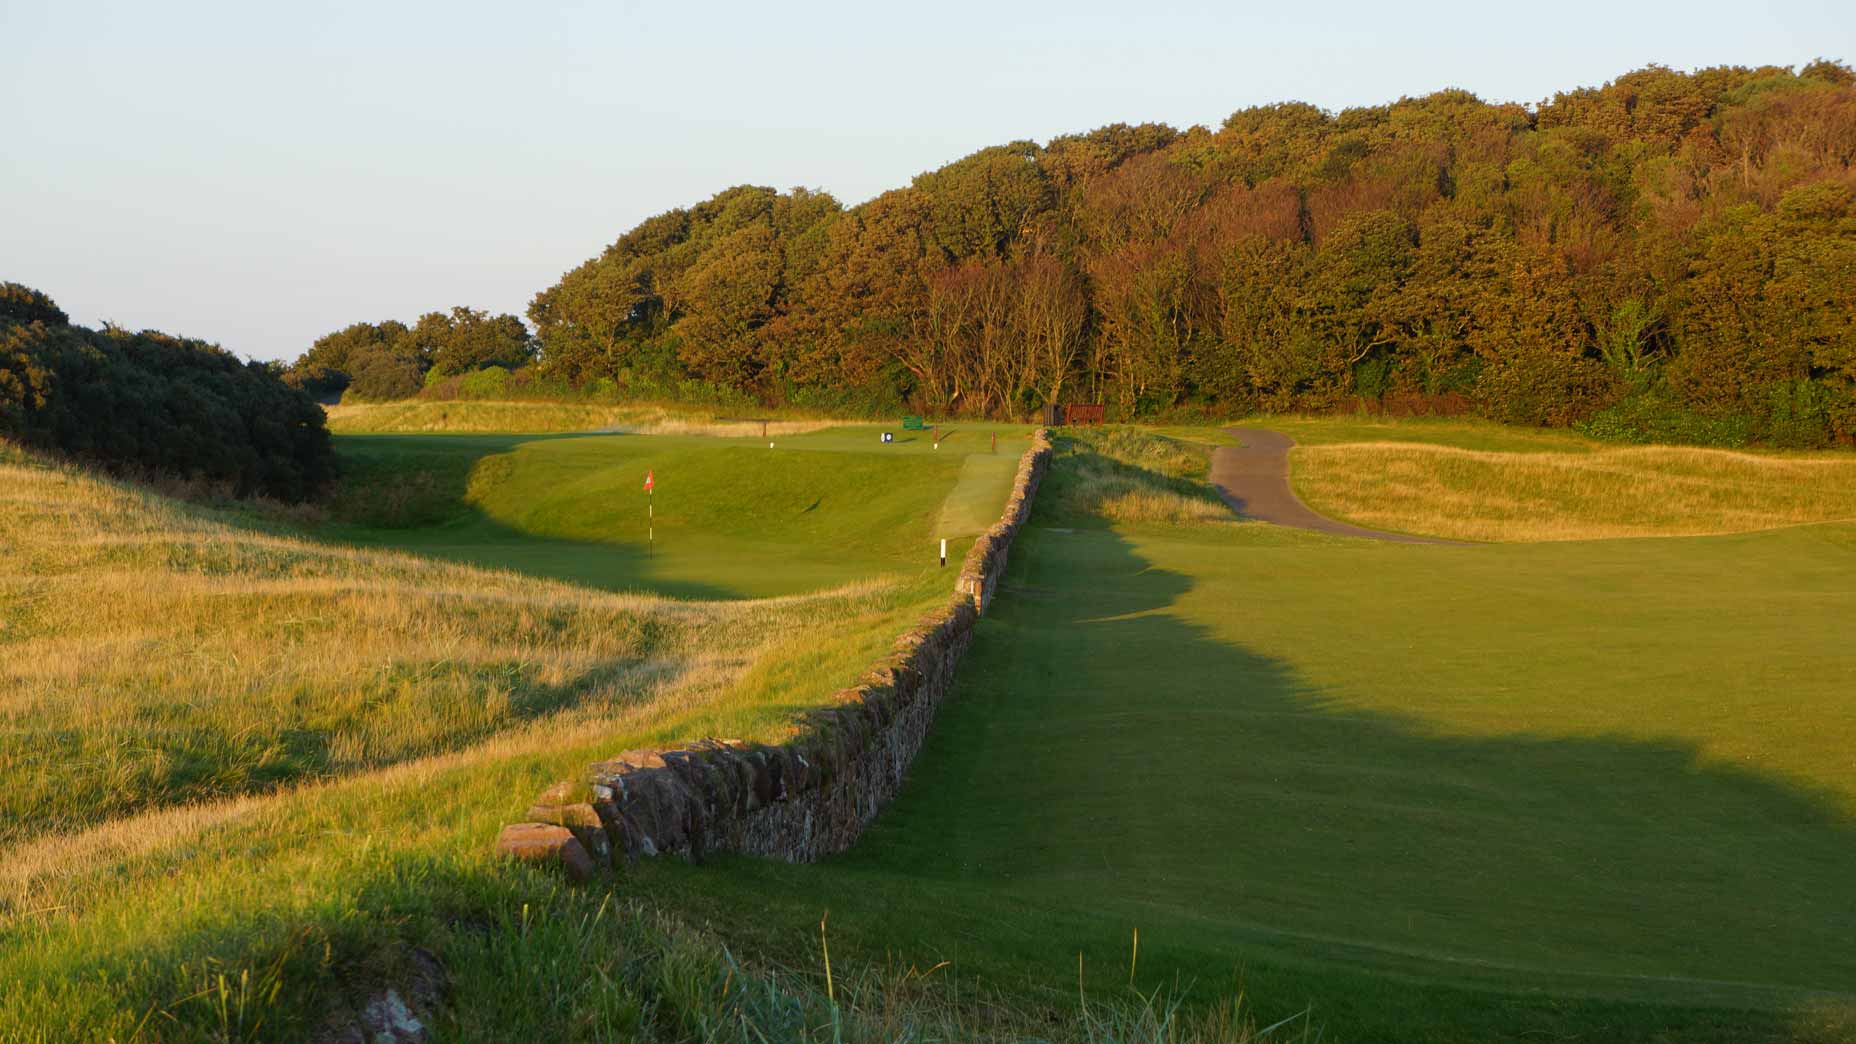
(259, 174)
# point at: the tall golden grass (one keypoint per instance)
(1597, 494)
(1129, 475)
(155, 653)
(470, 415)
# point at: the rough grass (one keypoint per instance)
(157, 654)
(1593, 493)
(1123, 474)
(470, 415)
(656, 975)
(1461, 432)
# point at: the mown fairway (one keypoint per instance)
(734, 518)
(1594, 791)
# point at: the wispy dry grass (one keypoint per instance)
(462, 416)
(1130, 475)
(670, 422)
(471, 416)
(1593, 494)
(152, 653)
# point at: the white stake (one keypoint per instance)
(943, 552)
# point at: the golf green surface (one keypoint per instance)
(1592, 791)
(729, 518)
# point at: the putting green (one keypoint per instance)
(730, 518)
(1599, 790)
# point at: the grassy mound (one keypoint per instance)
(1477, 481)
(481, 416)
(733, 518)
(1130, 475)
(227, 741)
(214, 660)
(1648, 491)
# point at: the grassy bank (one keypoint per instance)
(1474, 480)
(465, 416)
(730, 517)
(213, 660)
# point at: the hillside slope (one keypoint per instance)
(227, 743)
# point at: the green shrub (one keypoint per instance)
(1543, 388)
(1800, 415)
(491, 382)
(390, 374)
(1655, 417)
(149, 402)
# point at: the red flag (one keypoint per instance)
(648, 483)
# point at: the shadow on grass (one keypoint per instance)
(1106, 765)
(409, 493)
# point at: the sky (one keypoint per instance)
(258, 173)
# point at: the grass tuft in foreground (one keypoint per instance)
(655, 978)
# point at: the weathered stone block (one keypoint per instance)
(583, 820)
(548, 844)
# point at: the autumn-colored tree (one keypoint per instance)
(1669, 244)
(23, 304)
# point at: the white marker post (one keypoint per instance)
(650, 511)
(943, 552)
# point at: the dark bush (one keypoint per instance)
(1543, 388)
(149, 402)
(390, 374)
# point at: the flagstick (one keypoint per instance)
(650, 508)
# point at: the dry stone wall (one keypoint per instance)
(798, 800)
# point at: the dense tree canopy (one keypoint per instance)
(26, 305)
(390, 360)
(1669, 256)
(149, 402)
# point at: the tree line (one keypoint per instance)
(1671, 256)
(390, 360)
(151, 403)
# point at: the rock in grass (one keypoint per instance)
(564, 793)
(548, 844)
(582, 819)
